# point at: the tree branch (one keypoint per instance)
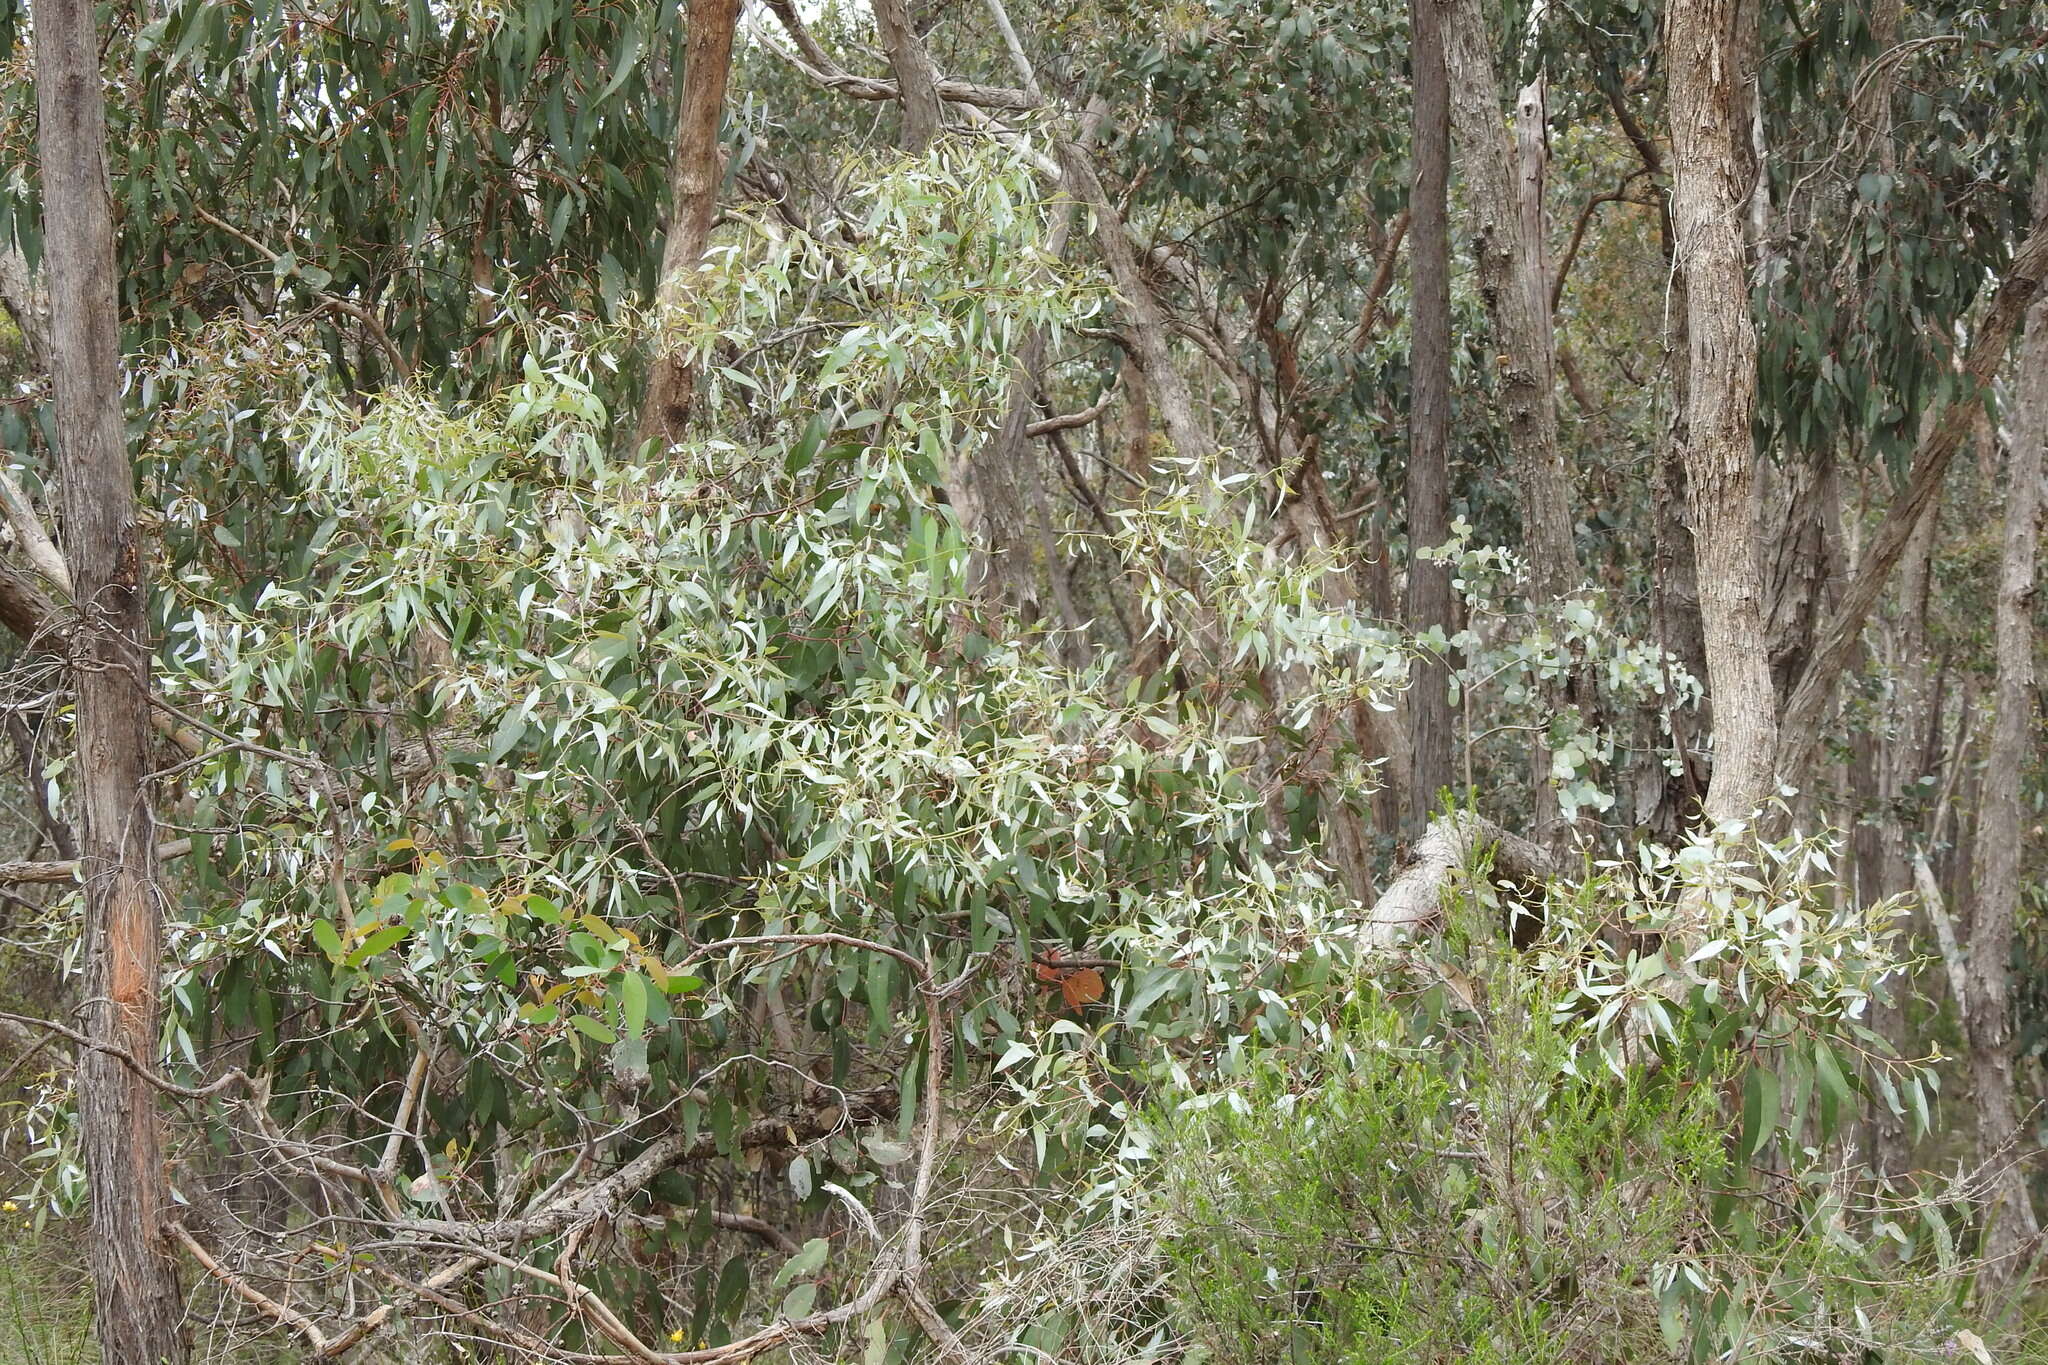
(1835, 645)
(1449, 847)
(23, 872)
(1068, 421)
(812, 59)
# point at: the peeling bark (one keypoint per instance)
(140, 1308)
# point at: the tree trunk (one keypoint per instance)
(1508, 250)
(1796, 561)
(1910, 704)
(140, 1309)
(1510, 275)
(1429, 411)
(1708, 196)
(693, 205)
(2001, 819)
(914, 74)
(1148, 325)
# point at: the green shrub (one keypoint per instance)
(1438, 1181)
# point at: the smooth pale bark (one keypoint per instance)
(693, 197)
(26, 300)
(1429, 411)
(1835, 645)
(1532, 167)
(140, 1310)
(1509, 265)
(1709, 194)
(817, 64)
(914, 74)
(2002, 820)
(1414, 900)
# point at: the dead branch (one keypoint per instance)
(21, 871)
(1067, 421)
(1450, 846)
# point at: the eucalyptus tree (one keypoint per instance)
(140, 1317)
(1987, 1004)
(1428, 490)
(686, 899)
(1703, 44)
(694, 180)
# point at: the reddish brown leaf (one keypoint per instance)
(1082, 988)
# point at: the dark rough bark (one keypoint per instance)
(693, 197)
(140, 1309)
(24, 610)
(1835, 645)
(1675, 613)
(1708, 195)
(1429, 412)
(1508, 252)
(1797, 563)
(1510, 274)
(2001, 818)
(914, 74)
(1911, 705)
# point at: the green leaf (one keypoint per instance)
(1760, 1092)
(593, 1028)
(732, 1286)
(824, 846)
(1834, 1086)
(808, 1261)
(377, 943)
(633, 1003)
(622, 64)
(629, 1059)
(327, 940)
(511, 729)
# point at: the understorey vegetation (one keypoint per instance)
(984, 680)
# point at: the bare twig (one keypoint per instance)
(371, 326)
(812, 59)
(128, 1059)
(247, 1292)
(1944, 931)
